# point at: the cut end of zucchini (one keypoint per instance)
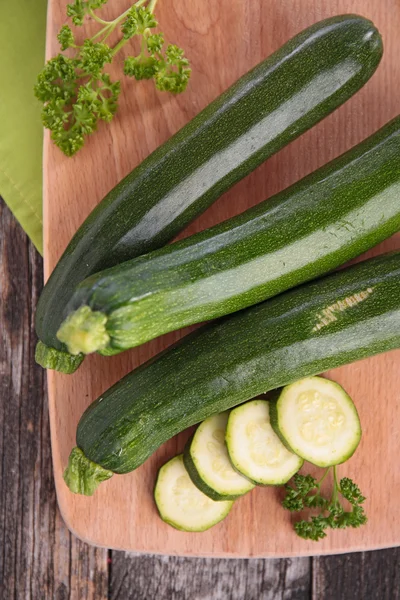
(255, 449)
(207, 461)
(84, 331)
(318, 421)
(50, 358)
(181, 504)
(83, 476)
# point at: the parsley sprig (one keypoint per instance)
(306, 493)
(75, 90)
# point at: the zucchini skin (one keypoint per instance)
(329, 217)
(279, 99)
(347, 316)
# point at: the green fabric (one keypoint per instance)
(22, 50)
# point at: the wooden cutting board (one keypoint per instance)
(223, 40)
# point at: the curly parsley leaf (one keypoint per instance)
(140, 67)
(332, 514)
(76, 92)
(66, 37)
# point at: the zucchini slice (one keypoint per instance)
(254, 448)
(207, 461)
(317, 420)
(346, 316)
(181, 504)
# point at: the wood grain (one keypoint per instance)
(39, 558)
(53, 564)
(370, 575)
(177, 578)
(72, 187)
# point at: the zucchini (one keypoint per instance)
(255, 449)
(181, 504)
(207, 461)
(274, 103)
(317, 420)
(343, 317)
(329, 217)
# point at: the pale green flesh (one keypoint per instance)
(181, 504)
(210, 455)
(255, 449)
(319, 421)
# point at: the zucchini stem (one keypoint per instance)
(83, 476)
(51, 358)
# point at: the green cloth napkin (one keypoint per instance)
(22, 51)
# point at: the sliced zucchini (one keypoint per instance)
(254, 448)
(207, 461)
(317, 420)
(347, 316)
(181, 504)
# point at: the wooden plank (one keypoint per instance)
(177, 578)
(146, 118)
(369, 575)
(39, 558)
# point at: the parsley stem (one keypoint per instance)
(335, 477)
(119, 45)
(115, 22)
(323, 476)
(96, 18)
(108, 28)
(143, 44)
(152, 5)
(109, 32)
(336, 487)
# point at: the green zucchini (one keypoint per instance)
(255, 449)
(279, 99)
(317, 420)
(343, 317)
(207, 461)
(181, 504)
(329, 217)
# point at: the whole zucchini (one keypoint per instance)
(319, 223)
(290, 91)
(343, 317)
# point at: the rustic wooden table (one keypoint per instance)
(40, 559)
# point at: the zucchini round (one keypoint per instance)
(320, 222)
(343, 317)
(317, 420)
(207, 461)
(255, 449)
(181, 504)
(274, 103)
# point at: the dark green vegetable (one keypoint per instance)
(274, 103)
(346, 316)
(319, 223)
